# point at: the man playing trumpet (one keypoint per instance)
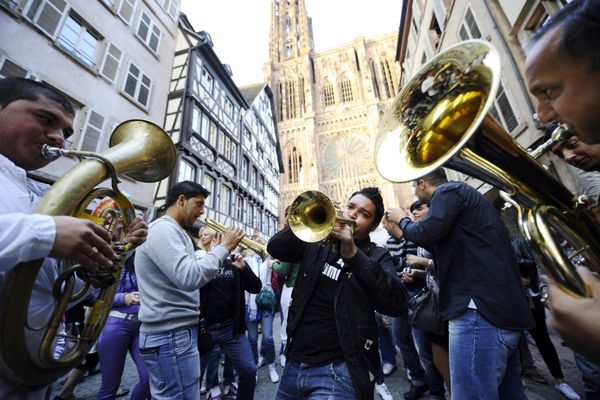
(332, 347)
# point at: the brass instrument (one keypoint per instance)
(246, 243)
(558, 135)
(440, 118)
(138, 149)
(313, 215)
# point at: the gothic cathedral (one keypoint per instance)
(328, 106)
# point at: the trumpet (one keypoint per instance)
(313, 215)
(246, 243)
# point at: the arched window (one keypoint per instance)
(346, 91)
(294, 165)
(328, 94)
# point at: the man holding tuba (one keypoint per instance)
(480, 291)
(33, 114)
(563, 73)
(332, 347)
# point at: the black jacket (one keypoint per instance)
(473, 256)
(245, 280)
(368, 282)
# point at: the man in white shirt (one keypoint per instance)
(31, 115)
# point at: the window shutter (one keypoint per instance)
(92, 132)
(126, 10)
(112, 60)
(47, 14)
(9, 69)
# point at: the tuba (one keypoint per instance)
(313, 215)
(139, 150)
(440, 118)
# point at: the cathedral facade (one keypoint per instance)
(329, 105)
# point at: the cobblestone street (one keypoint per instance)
(396, 382)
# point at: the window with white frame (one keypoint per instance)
(47, 14)
(253, 178)
(173, 9)
(239, 207)
(186, 171)
(149, 32)
(225, 199)
(209, 184)
(10, 4)
(111, 62)
(92, 132)
(233, 152)
(9, 68)
(228, 107)
(137, 85)
(79, 40)
(196, 119)
(245, 167)
(126, 9)
(204, 128)
(207, 80)
(469, 28)
(213, 131)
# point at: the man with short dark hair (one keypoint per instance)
(563, 73)
(169, 276)
(332, 349)
(480, 291)
(33, 114)
(563, 69)
(577, 153)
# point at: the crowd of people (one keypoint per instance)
(449, 287)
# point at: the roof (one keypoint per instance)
(251, 91)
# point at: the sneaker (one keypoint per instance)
(261, 362)
(383, 392)
(415, 392)
(566, 390)
(273, 375)
(230, 392)
(388, 369)
(203, 390)
(214, 393)
(282, 360)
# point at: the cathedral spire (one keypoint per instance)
(291, 30)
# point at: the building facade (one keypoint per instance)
(226, 137)
(328, 107)
(111, 58)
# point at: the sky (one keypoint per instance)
(240, 28)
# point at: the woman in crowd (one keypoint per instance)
(120, 335)
(256, 313)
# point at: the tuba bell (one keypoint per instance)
(138, 149)
(313, 215)
(441, 118)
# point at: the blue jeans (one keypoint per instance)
(267, 344)
(484, 360)
(590, 373)
(210, 366)
(386, 344)
(433, 379)
(303, 382)
(402, 332)
(238, 350)
(173, 363)
(118, 337)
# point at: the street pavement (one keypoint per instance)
(397, 382)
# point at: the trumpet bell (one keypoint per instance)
(312, 216)
(437, 112)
